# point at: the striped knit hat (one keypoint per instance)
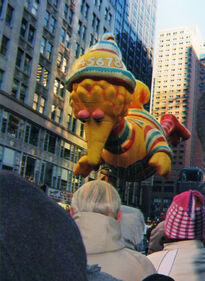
(185, 218)
(102, 61)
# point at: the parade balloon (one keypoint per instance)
(120, 133)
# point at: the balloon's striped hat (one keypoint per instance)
(102, 61)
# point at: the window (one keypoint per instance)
(86, 10)
(49, 22)
(54, 3)
(81, 129)
(32, 134)
(69, 121)
(64, 65)
(19, 90)
(81, 52)
(82, 6)
(95, 22)
(2, 2)
(98, 4)
(46, 48)
(59, 89)
(70, 18)
(34, 7)
(74, 125)
(79, 26)
(27, 64)
(50, 142)
(1, 78)
(105, 30)
(59, 60)
(52, 24)
(11, 125)
(65, 37)
(9, 14)
(4, 45)
(24, 25)
(65, 10)
(23, 61)
(39, 103)
(77, 50)
(91, 39)
(31, 33)
(66, 150)
(27, 31)
(46, 19)
(109, 18)
(56, 113)
(59, 113)
(42, 75)
(19, 58)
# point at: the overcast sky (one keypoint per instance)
(178, 13)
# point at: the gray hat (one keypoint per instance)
(39, 240)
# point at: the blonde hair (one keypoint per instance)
(97, 196)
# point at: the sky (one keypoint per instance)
(178, 13)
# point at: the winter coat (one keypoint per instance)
(156, 238)
(102, 238)
(132, 228)
(189, 262)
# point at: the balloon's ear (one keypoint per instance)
(71, 211)
(119, 215)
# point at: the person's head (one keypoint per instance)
(158, 277)
(98, 197)
(132, 227)
(185, 218)
(39, 240)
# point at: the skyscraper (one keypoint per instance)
(134, 32)
(39, 40)
(175, 91)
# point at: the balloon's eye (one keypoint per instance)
(83, 115)
(98, 115)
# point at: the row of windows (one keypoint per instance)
(29, 133)
(41, 171)
(68, 13)
(173, 33)
(172, 79)
(85, 10)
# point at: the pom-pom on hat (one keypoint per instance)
(102, 61)
(185, 218)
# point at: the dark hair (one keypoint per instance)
(158, 277)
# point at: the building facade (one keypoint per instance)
(134, 32)
(39, 40)
(175, 90)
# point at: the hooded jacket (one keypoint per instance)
(102, 238)
(189, 262)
